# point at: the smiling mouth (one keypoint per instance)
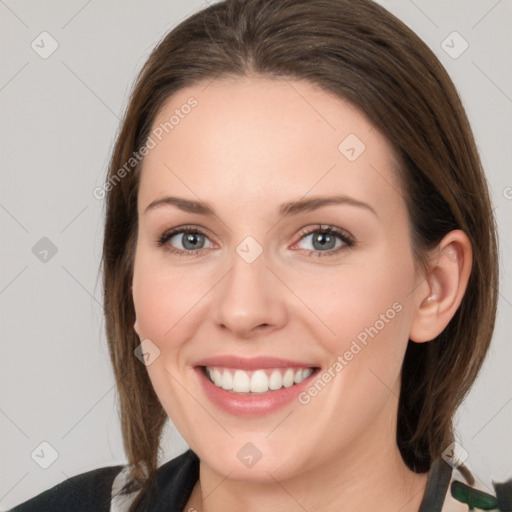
(256, 381)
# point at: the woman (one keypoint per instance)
(300, 268)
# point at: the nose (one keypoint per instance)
(251, 299)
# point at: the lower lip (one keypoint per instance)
(257, 404)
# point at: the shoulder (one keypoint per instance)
(109, 489)
(86, 492)
(171, 487)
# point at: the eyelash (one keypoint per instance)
(344, 236)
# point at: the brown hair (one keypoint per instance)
(361, 53)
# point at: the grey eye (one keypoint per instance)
(322, 241)
(189, 240)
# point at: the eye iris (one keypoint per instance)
(324, 239)
(192, 238)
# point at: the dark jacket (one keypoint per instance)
(92, 491)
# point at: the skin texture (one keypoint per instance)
(249, 145)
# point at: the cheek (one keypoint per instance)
(161, 303)
(169, 304)
(154, 297)
(369, 313)
(150, 306)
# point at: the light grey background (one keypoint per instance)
(59, 117)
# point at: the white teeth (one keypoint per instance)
(227, 381)
(288, 378)
(276, 380)
(241, 382)
(216, 377)
(306, 373)
(257, 381)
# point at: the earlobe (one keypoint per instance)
(443, 289)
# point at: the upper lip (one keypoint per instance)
(252, 363)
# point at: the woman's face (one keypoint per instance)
(269, 294)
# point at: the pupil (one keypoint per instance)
(323, 239)
(191, 238)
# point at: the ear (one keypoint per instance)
(438, 297)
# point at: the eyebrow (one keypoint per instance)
(285, 209)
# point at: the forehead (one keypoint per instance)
(246, 138)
